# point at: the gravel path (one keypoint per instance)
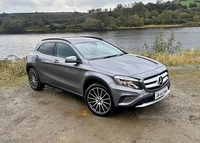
(55, 116)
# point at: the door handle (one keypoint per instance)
(56, 61)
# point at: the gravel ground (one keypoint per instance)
(56, 116)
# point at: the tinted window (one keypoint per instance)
(47, 48)
(64, 51)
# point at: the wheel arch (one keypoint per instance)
(94, 79)
(29, 66)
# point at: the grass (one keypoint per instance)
(13, 82)
(12, 73)
(12, 69)
(187, 2)
(188, 57)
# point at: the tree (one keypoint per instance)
(140, 10)
(119, 7)
(93, 24)
(193, 5)
(102, 16)
(112, 23)
(137, 20)
(13, 25)
(41, 23)
(197, 18)
(167, 17)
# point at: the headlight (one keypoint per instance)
(128, 82)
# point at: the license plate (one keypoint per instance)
(161, 93)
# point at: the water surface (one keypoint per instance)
(129, 40)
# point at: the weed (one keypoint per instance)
(163, 45)
(12, 69)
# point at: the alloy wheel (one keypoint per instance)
(99, 101)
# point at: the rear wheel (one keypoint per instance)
(99, 100)
(34, 80)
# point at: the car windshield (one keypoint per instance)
(97, 49)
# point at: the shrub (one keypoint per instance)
(161, 45)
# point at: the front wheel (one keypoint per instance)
(34, 80)
(99, 100)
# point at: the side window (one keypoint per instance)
(47, 48)
(64, 50)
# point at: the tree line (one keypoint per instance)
(122, 16)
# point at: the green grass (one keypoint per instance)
(187, 2)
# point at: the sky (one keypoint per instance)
(27, 6)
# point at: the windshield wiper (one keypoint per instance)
(116, 55)
(110, 56)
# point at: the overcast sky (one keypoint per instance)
(19, 6)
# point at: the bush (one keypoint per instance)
(161, 45)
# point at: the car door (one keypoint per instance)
(44, 59)
(68, 75)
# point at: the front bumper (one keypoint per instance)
(153, 101)
(128, 97)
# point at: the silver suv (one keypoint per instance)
(104, 75)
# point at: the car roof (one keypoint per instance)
(74, 40)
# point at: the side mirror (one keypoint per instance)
(71, 59)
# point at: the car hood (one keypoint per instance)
(129, 65)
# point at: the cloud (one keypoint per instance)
(18, 6)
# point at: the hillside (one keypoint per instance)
(167, 14)
(189, 3)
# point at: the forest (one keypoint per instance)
(132, 15)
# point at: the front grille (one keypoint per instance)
(156, 81)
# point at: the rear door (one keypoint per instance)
(44, 59)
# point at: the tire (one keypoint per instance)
(34, 80)
(99, 100)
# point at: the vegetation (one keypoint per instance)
(15, 69)
(133, 15)
(162, 45)
(169, 53)
(12, 69)
(189, 3)
(188, 57)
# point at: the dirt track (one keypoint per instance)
(55, 116)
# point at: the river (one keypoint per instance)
(129, 40)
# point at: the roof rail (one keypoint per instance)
(92, 37)
(56, 39)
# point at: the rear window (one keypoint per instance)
(47, 48)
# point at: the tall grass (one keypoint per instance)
(188, 57)
(168, 52)
(12, 69)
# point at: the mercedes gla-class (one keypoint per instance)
(104, 75)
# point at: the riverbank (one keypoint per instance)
(47, 31)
